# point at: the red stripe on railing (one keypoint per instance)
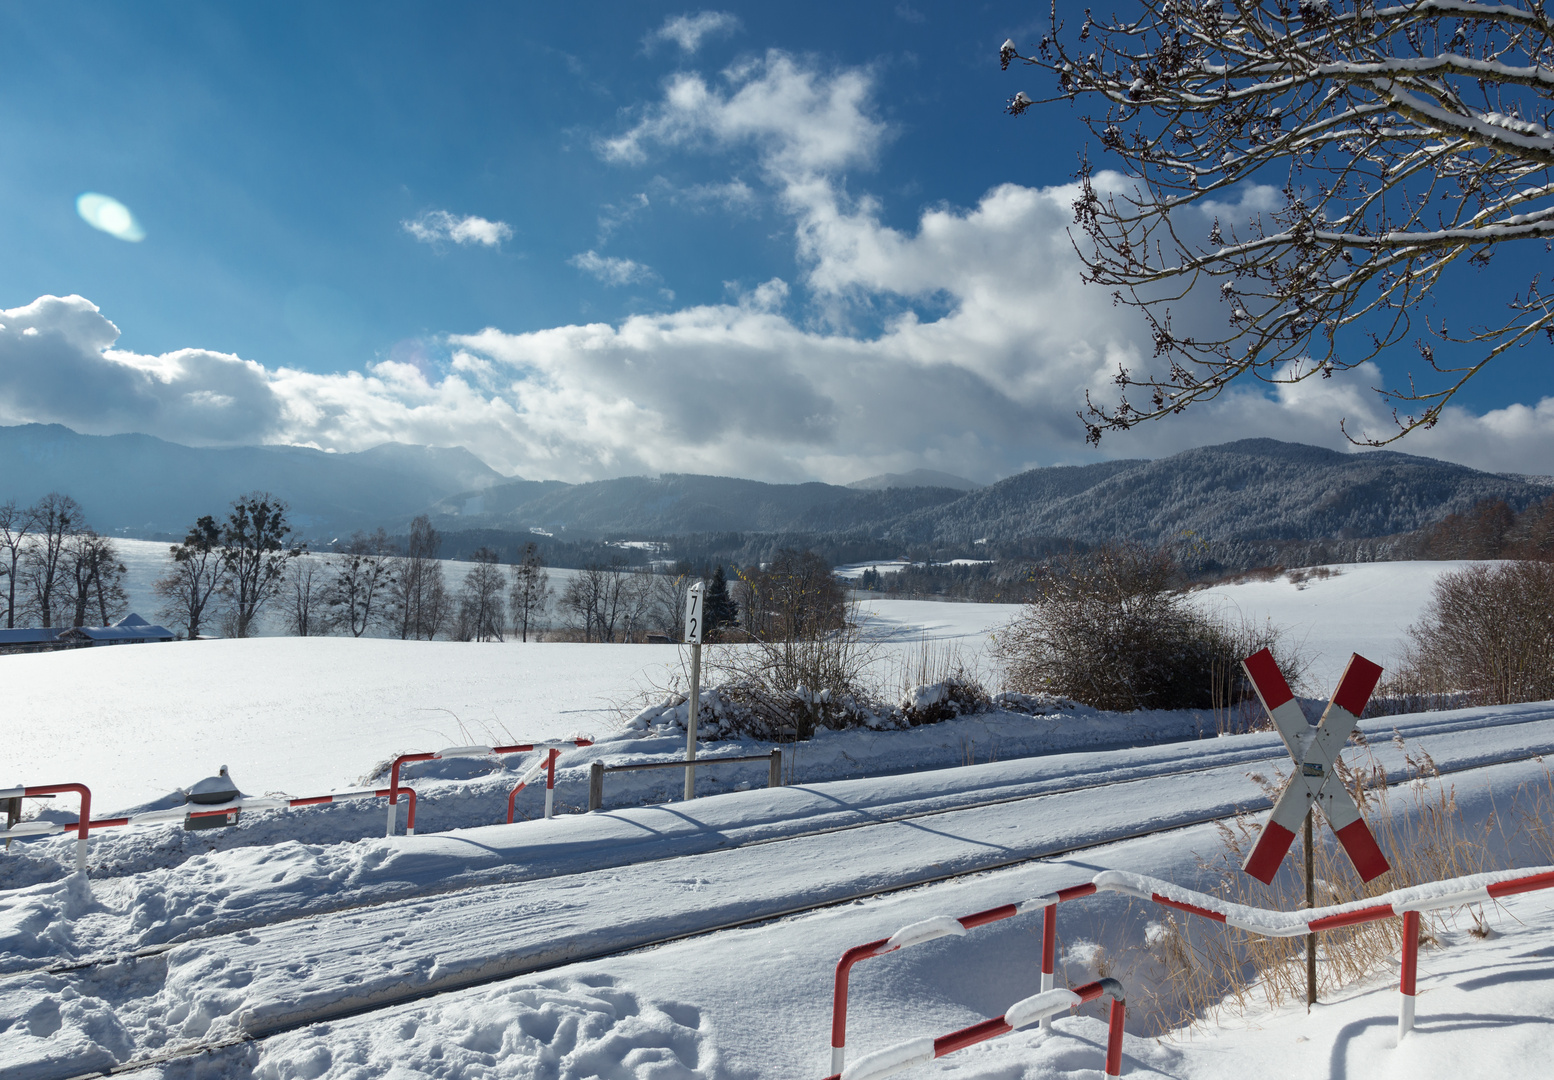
(1351, 918)
(1194, 909)
(844, 967)
(1410, 962)
(1521, 885)
(970, 1036)
(1049, 939)
(982, 918)
(83, 824)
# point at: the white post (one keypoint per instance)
(550, 783)
(391, 816)
(81, 854)
(1048, 981)
(693, 625)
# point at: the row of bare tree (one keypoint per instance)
(55, 569)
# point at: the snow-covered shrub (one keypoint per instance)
(959, 695)
(1112, 630)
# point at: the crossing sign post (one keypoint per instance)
(695, 617)
(1315, 753)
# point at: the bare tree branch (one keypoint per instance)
(1404, 140)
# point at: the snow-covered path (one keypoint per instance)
(275, 973)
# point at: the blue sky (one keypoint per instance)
(786, 241)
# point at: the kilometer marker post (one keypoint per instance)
(694, 617)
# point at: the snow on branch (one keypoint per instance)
(1386, 144)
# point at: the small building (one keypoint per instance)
(31, 639)
(130, 630)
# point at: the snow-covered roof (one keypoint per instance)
(29, 635)
(130, 628)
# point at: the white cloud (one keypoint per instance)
(612, 270)
(436, 226)
(800, 120)
(986, 344)
(687, 31)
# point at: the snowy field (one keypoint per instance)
(309, 715)
(1364, 608)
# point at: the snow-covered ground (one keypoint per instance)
(1365, 608)
(300, 914)
(253, 939)
(308, 715)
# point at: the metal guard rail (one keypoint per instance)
(1038, 1007)
(597, 770)
(1406, 903)
(176, 814)
(548, 761)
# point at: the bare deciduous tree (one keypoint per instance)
(307, 612)
(1111, 630)
(16, 524)
(795, 598)
(92, 579)
(359, 576)
(418, 598)
(56, 518)
(531, 591)
(255, 553)
(606, 602)
(1398, 142)
(196, 577)
(480, 616)
(1486, 636)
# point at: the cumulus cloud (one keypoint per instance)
(801, 120)
(687, 31)
(436, 226)
(987, 345)
(612, 270)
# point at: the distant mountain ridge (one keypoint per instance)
(138, 485)
(1255, 489)
(1252, 490)
(917, 478)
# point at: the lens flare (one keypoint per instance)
(110, 215)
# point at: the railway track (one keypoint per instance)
(503, 969)
(1270, 756)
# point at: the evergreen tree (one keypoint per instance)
(720, 609)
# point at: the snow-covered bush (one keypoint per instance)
(1111, 630)
(959, 695)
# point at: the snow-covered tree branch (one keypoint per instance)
(1403, 140)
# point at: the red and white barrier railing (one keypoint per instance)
(547, 762)
(1040, 1008)
(549, 759)
(176, 814)
(1405, 903)
(43, 828)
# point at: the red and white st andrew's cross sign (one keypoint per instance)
(1315, 752)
